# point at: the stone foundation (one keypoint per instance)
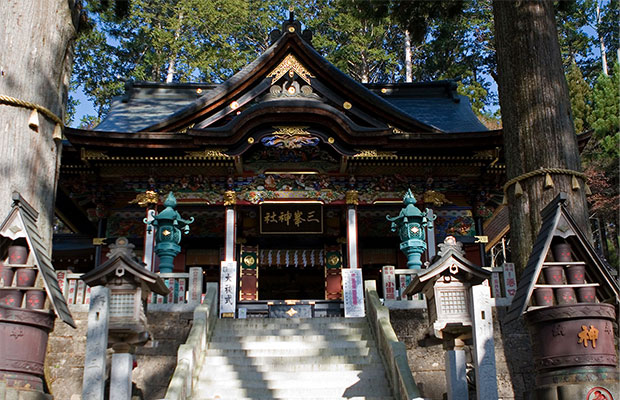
(426, 356)
(157, 360)
(64, 363)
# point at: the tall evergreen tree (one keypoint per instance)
(580, 97)
(538, 130)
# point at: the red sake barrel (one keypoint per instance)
(23, 342)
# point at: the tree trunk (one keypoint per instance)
(600, 39)
(408, 65)
(36, 55)
(536, 117)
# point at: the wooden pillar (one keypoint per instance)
(149, 240)
(351, 199)
(231, 232)
(352, 248)
(430, 236)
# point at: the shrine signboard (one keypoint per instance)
(353, 291)
(228, 289)
(291, 218)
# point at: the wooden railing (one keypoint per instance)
(186, 288)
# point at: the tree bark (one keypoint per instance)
(536, 117)
(408, 64)
(36, 55)
(600, 39)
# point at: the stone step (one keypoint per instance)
(290, 344)
(288, 393)
(250, 374)
(292, 398)
(307, 384)
(334, 363)
(294, 352)
(296, 368)
(310, 337)
(299, 331)
(306, 323)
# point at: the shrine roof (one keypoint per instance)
(434, 103)
(145, 104)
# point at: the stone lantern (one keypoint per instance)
(117, 318)
(411, 224)
(459, 309)
(446, 285)
(169, 226)
(130, 284)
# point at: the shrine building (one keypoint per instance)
(289, 168)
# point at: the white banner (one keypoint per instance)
(228, 289)
(389, 282)
(353, 292)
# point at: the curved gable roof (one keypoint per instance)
(328, 77)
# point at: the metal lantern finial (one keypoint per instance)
(169, 226)
(411, 224)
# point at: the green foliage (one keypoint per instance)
(605, 114)
(580, 98)
(367, 49)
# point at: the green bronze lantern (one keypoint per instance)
(411, 224)
(169, 225)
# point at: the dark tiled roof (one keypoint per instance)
(145, 104)
(434, 103)
(444, 113)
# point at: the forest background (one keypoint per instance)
(372, 41)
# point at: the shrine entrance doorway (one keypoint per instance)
(291, 283)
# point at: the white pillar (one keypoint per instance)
(120, 376)
(484, 345)
(430, 236)
(149, 240)
(231, 227)
(352, 237)
(456, 374)
(93, 383)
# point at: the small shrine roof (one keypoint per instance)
(557, 221)
(122, 257)
(451, 259)
(21, 223)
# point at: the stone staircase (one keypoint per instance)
(315, 358)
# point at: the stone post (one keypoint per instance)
(456, 372)
(93, 384)
(120, 376)
(484, 345)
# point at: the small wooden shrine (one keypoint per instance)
(30, 300)
(569, 300)
(288, 168)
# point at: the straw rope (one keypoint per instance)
(543, 171)
(12, 101)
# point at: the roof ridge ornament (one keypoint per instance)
(291, 26)
(290, 65)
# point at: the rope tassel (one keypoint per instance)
(57, 135)
(575, 183)
(518, 190)
(548, 182)
(33, 121)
